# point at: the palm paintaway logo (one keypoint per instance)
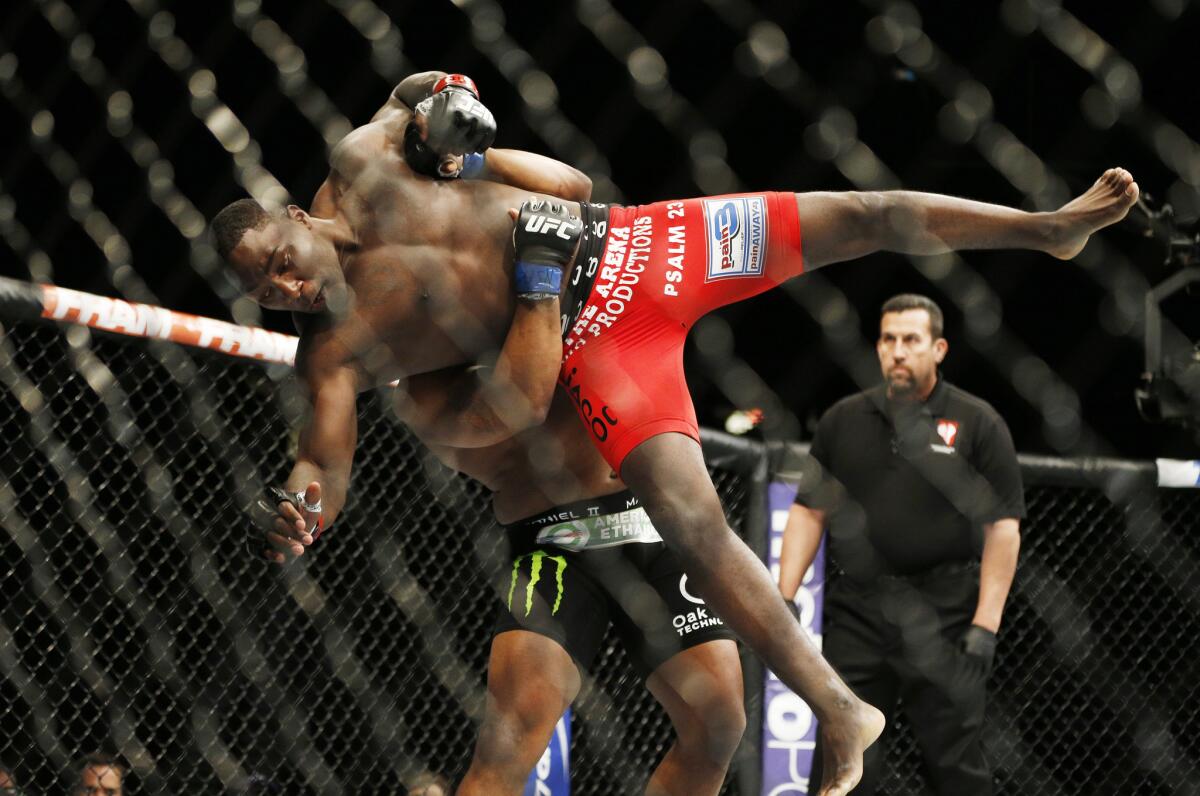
(737, 236)
(537, 558)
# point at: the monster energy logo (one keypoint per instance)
(535, 574)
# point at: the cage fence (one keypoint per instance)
(135, 620)
(132, 617)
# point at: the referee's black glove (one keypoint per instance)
(978, 646)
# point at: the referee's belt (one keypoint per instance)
(936, 572)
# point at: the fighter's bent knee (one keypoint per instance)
(724, 723)
(714, 727)
(533, 708)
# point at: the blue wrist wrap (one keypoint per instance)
(472, 165)
(541, 279)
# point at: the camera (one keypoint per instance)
(1170, 384)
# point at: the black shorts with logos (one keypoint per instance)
(570, 596)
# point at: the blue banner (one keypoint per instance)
(789, 728)
(552, 774)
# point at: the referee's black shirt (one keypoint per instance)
(912, 483)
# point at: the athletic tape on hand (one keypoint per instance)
(472, 165)
(542, 280)
(275, 496)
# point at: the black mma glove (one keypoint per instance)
(545, 238)
(978, 646)
(456, 122)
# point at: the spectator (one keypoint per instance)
(98, 774)
(429, 784)
(8, 783)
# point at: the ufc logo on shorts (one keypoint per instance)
(546, 225)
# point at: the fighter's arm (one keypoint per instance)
(325, 452)
(410, 91)
(324, 458)
(520, 169)
(482, 405)
(434, 117)
(536, 173)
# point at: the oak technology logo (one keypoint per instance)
(695, 619)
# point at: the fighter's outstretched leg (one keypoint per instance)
(531, 681)
(701, 690)
(668, 474)
(846, 225)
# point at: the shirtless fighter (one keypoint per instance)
(584, 554)
(415, 273)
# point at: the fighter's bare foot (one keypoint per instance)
(844, 738)
(1106, 202)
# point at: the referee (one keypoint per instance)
(922, 498)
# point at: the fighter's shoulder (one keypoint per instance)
(366, 144)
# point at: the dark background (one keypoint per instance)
(127, 603)
(1068, 336)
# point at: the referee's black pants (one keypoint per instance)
(896, 639)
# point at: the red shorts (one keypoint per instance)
(664, 266)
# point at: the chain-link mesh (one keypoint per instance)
(1095, 685)
(134, 620)
(134, 121)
